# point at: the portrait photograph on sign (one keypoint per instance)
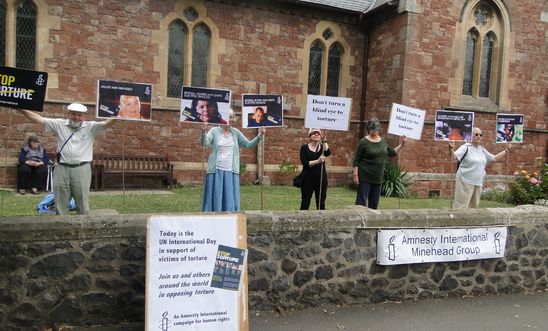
(406, 121)
(262, 110)
(453, 125)
(123, 100)
(196, 273)
(22, 89)
(331, 113)
(510, 128)
(205, 105)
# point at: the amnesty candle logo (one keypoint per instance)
(439, 245)
(23, 89)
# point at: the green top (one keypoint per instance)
(370, 158)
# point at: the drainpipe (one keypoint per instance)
(365, 70)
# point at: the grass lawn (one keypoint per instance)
(188, 199)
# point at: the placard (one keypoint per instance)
(205, 105)
(510, 128)
(196, 274)
(406, 121)
(406, 246)
(22, 89)
(262, 110)
(123, 100)
(453, 125)
(330, 113)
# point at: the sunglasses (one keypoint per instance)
(478, 134)
(315, 133)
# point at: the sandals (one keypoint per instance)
(34, 191)
(22, 192)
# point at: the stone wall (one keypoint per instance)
(90, 270)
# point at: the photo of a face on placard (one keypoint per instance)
(202, 105)
(509, 128)
(125, 101)
(262, 110)
(453, 125)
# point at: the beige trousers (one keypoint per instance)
(466, 195)
(72, 182)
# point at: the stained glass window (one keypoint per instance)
(471, 40)
(25, 51)
(200, 55)
(315, 68)
(176, 59)
(486, 61)
(334, 69)
(3, 32)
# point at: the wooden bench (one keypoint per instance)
(118, 165)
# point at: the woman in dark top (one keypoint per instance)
(33, 166)
(313, 156)
(368, 165)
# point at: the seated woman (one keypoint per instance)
(33, 166)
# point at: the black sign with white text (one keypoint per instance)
(23, 89)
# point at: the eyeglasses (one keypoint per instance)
(315, 133)
(478, 134)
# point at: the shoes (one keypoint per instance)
(22, 192)
(34, 191)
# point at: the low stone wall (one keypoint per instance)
(89, 270)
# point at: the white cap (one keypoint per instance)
(77, 107)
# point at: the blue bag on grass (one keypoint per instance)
(47, 205)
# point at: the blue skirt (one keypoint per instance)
(221, 192)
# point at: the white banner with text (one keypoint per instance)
(329, 113)
(406, 121)
(406, 246)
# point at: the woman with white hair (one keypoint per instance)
(313, 156)
(222, 183)
(33, 166)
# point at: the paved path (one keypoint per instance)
(497, 312)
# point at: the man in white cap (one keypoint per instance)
(75, 137)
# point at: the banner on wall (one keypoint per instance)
(199, 105)
(406, 121)
(262, 110)
(123, 100)
(406, 246)
(453, 125)
(510, 128)
(196, 273)
(22, 89)
(330, 113)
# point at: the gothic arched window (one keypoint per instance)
(25, 49)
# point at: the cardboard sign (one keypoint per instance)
(406, 121)
(510, 128)
(262, 110)
(330, 113)
(126, 101)
(453, 125)
(22, 89)
(199, 105)
(196, 273)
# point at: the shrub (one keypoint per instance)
(530, 187)
(497, 194)
(395, 181)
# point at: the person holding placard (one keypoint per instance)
(473, 159)
(368, 165)
(75, 137)
(222, 182)
(313, 156)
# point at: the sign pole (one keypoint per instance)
(453, 174)
(261, 171)
(123, 167)
(6, 157)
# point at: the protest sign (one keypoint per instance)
(199, 105)
(406, 246)
(453, 125)
(126, 101)
(196, 274)
(262, 110)
(510, 128)
(330, 113)
(22, 89)
(406, 121)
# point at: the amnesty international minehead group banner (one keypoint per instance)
(406, 246)
(196, 273)
(22, 89)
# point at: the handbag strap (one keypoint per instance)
(66, 141)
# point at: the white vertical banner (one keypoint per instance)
(406, 121)
(194, 280)
(331, 113)
(406, 246)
